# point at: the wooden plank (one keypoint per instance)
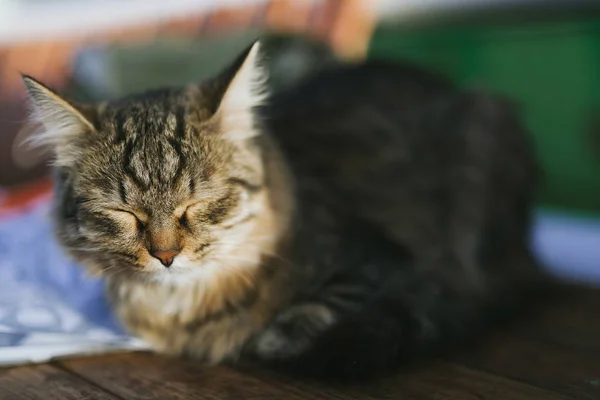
(445, 380)
(449, 381)
(549, 366)
(144, 376)
(45, 382)
(433, 381)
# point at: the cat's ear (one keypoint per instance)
(62, 121)
(244, 90)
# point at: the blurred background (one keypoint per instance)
(544, 54)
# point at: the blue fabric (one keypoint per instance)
(569, 245)
(34, 269)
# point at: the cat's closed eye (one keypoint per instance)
(187, 214)
(127, 217)
(227, 209)
(245, 184)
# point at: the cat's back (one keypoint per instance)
(391, 116)
(391, 141)
(339, 91)
(348, 115)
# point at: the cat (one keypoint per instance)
(373, 213)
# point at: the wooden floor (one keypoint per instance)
(555, 355)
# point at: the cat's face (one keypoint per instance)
(165, 184)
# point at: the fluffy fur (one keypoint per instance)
(372, 213)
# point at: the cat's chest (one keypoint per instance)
(191, 319)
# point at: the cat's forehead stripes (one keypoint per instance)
(151, 138)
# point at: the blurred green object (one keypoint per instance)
(549, 66)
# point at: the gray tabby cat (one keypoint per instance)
(373, 213)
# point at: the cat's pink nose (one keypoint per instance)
(165, 257)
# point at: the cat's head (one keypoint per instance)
(169, 183)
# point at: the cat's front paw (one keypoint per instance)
(293, 331)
